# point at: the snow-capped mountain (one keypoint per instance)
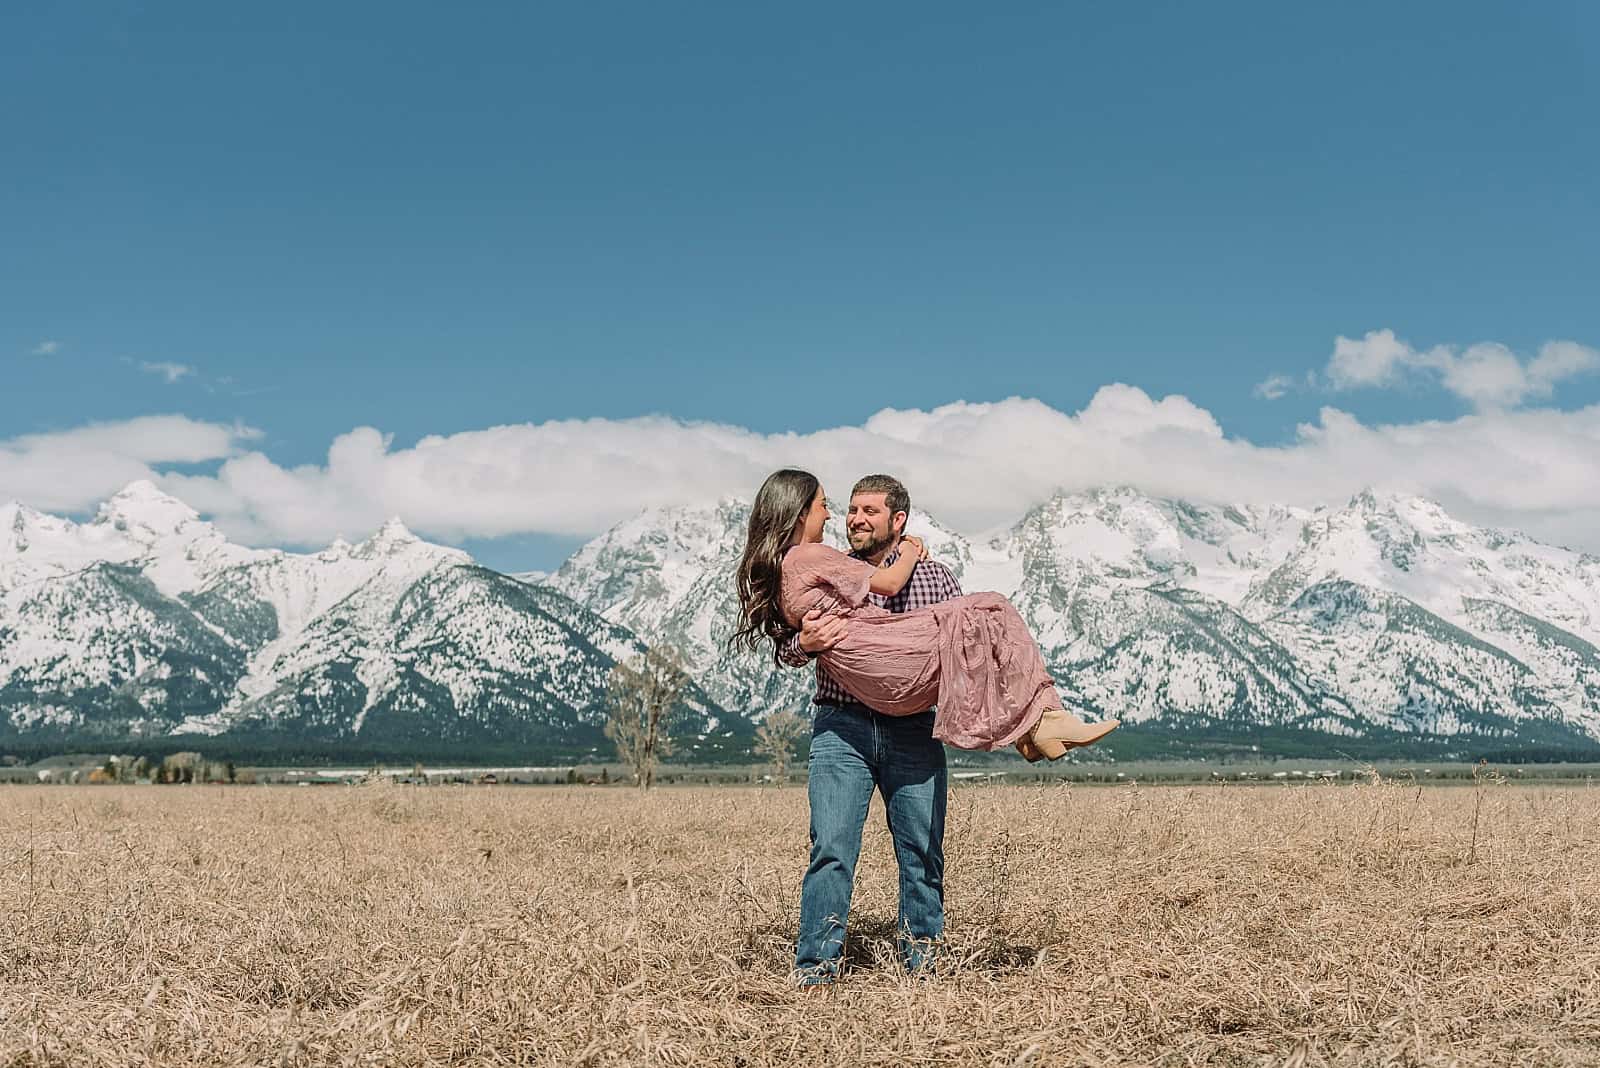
(142, 525)
(1385, 618)
(667, 575)
(147, 621)
(1427, 616)
(1385, 615)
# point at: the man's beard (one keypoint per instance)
(872, 545)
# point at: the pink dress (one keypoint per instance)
(971, 655)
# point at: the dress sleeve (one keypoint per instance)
(850, 579)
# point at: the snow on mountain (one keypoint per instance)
(1410, 546)
(141, 525)
(1386, 615)
(1567, 667)
(146, 620)
(174, 548)
(1383, 615)
(101, 649)
(1519, 619)
(1121, 536)
(667, 575)
(1398, 665)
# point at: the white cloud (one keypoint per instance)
(170, 371)
(46, 348)
(1376, 360)
(1274, 386)
(1561, 359)
(72, 470)
(973, 465)
(1486, 375)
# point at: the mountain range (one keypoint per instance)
(1370, 627)
(1381, 625)
(146, 623)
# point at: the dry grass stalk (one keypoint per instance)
(1318, 925)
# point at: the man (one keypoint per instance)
(854, 750)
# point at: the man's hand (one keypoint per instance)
(819, 633)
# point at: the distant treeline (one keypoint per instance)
(269, 749)
(1192, 741)
(1215, 743)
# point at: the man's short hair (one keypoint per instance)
(894, 493)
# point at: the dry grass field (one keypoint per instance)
(1379, 923)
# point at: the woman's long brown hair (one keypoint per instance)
(783, 500)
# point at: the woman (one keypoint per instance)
(971, 655)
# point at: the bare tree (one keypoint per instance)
(776, 739)
(640, 696)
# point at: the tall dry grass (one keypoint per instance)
(1324, 924)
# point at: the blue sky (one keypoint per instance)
(433, 220)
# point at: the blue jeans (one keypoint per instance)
(853, 750)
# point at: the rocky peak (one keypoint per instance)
(1364, 501)
(388, 539)
(141, 508)
(15, 520)
(394, 539)
(14, 515)
(337, 549)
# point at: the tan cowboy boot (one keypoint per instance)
(1059, 730)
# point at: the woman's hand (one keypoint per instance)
(890, 579)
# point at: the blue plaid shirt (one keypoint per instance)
(930, 583)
